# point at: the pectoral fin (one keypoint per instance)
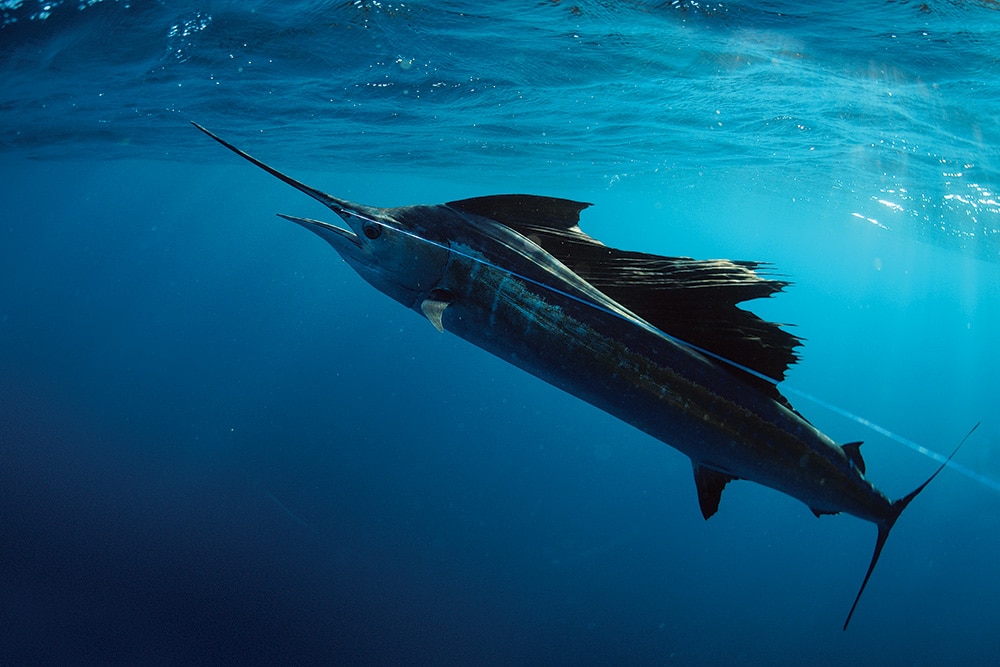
(433, 308)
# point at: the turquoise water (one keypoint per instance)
(217, 444)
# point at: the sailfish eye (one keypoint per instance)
(372, 231)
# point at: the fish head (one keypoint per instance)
(392, 251)
(397, 250)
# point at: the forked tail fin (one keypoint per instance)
(897, 509)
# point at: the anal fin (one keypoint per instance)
(818, 513)
(710, 483)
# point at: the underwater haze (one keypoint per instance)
(218, 445)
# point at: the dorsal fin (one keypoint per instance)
(516, 210)
(692, 300)
(695, 301)
(853, 452)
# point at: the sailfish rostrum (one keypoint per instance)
(658, 342)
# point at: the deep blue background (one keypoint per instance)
(217, 444)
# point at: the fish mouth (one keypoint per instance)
(333, 234)
(353, 214)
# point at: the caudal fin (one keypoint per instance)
(897, 509)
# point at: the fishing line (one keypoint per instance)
(906, 442)
(292, 515)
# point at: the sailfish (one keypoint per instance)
(657, 341)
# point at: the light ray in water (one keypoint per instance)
(906, 442)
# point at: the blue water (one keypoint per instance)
(218, 445)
